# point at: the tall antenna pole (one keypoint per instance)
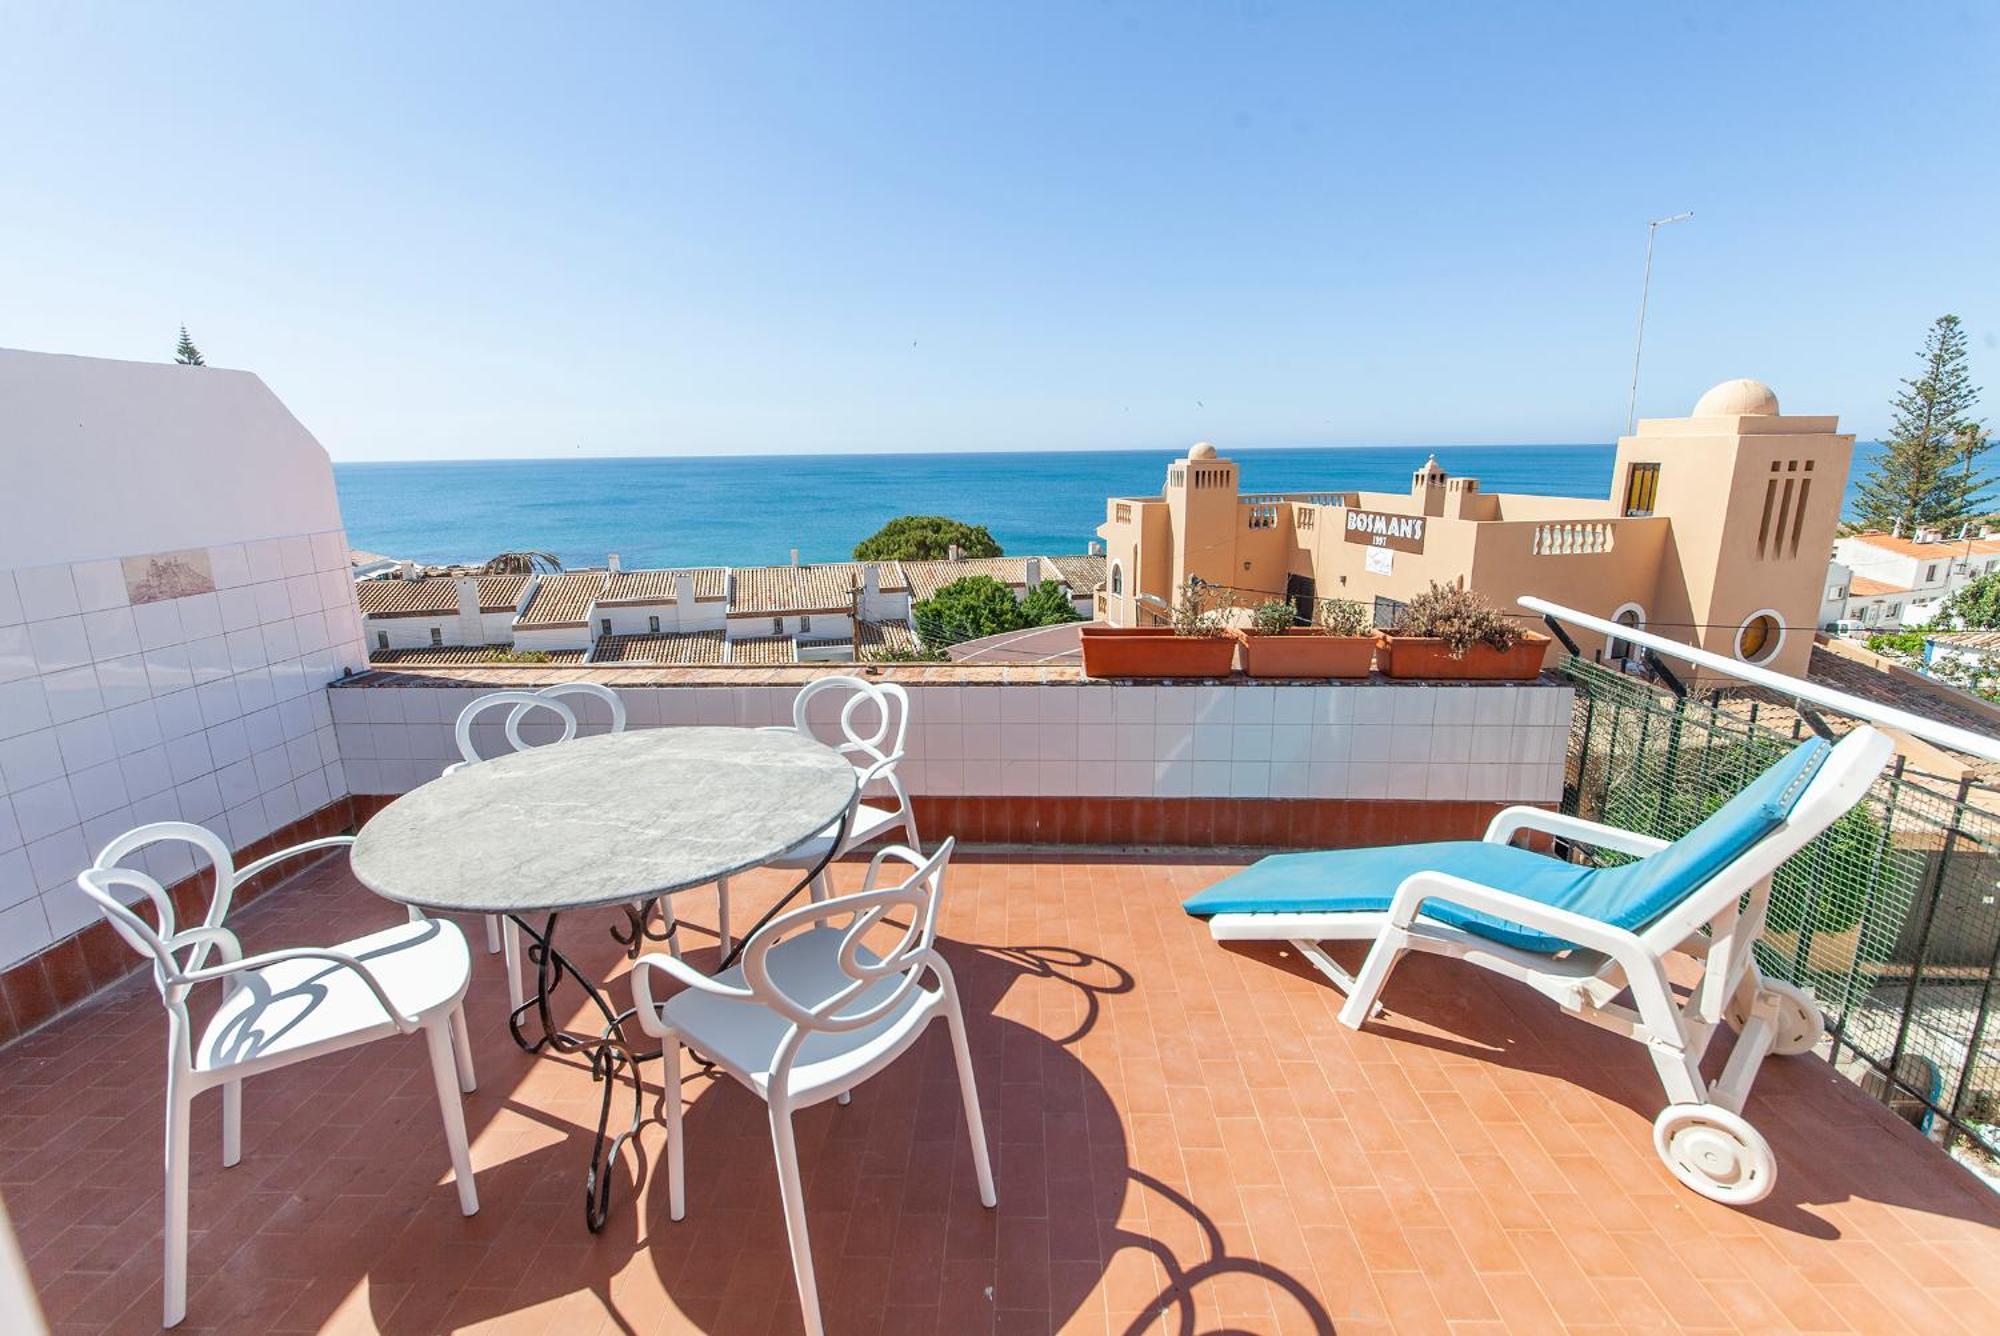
(1639, 341)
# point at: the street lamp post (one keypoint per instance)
(1639, 341)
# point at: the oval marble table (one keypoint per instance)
(617, 819)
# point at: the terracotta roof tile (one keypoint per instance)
(1910, 548)
(563, 600)
(1860, 586)
(884, 635)
(1081, 574)
(679, 647)
(927, 577)
(764, 650)
(711, 584)
(453, 655)
(828, 587)
(435, 594)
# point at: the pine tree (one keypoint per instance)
(186, 353)
(1927, 475)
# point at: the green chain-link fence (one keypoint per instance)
(1891, 918)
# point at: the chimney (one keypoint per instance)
(470, 630)
(795, 558)
(953, 553)
(1031, 572)
(406, 570)
(611, 563)
(871, 586)
(1094, 548)
(684, 596)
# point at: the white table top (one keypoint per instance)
(602, 820)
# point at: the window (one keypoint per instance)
(381, 640)
(805, 625)
(1631, 615)
(1893, 610)
(1642, 489)
(653, 625)
(437, 637)
(1835, 593)
(1930, 575)
(777, 626)
(1760, 637)
(1117, 579)
(604, 624)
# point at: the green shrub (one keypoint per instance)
(925, 538)
(1048, 604)
(967, 609)
(1194, 613)
(1458, 617)
(1343, 617)
(1903, 643)
(1274, 618)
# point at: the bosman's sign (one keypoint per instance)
(1373, 528)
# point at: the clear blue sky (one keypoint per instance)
(461, 232)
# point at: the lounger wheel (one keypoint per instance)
(1800, 1025)
(1715, 1152)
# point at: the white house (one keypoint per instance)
(762, 615)
(437, 611)
(1892, 582)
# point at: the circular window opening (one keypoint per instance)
(1758, 639)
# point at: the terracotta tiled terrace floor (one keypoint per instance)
(1185, 1142)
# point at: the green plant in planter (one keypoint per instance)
(1273, 618)
(1193, 614)
(1343, 617)
(1459, 618)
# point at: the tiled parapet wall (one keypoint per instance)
(1026, 760)
(184, 685)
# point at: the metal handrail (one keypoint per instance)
(1916, 725)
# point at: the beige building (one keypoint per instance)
(1717, 531)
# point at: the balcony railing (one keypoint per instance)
(1889, 919)
(1577, 538)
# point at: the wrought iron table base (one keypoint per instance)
(610, 1052)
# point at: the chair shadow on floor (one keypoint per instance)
(1799, 1104)
(891, 1202)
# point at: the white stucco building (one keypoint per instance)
(1885, 582)
(759, 615)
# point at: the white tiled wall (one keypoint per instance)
(208, 708)
(1377, 740)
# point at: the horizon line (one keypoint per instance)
(1024, 450)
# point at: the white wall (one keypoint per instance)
(825, 626)
(1485, 742)
(555, 637)
(118, 707)
(493, 628)
(632, 620)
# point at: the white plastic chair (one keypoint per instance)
(501, 934)
(280, 1007)
(874, 744)
(807, 1017)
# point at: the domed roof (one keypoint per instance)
(1201, 450)
(1738, 398)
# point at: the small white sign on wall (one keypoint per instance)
(1379, 561)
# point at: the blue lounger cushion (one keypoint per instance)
(1629, 896)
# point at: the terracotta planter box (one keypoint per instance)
(1154, 651)
(1303, 653)
(1426, 657)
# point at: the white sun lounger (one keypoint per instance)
(1583, 935)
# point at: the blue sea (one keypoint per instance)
(752, 510)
